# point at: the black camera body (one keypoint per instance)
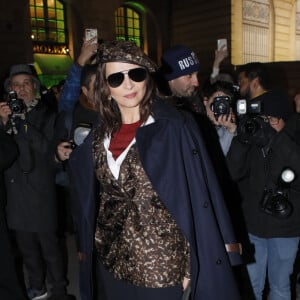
(16, 105)
(276, 203)
(251, 107)
(221, 106)
(71, 145)
(251, 126)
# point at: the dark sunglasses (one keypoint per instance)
(137, 75)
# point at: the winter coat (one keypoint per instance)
(254, 171)
(8, 153)
(31, 198)
(10, 287)
(175, 160)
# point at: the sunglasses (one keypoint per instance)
(137, 75)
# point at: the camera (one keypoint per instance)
(251, 126)
(221, 106)
(276, 202)
(81, 131)
(16, 105)
(248, 107)
(71, 145)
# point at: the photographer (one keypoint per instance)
(31, 199)
(257, 158)
(253, 80)
(218, 104)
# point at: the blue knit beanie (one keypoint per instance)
(179, 61)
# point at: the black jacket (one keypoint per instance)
(31, 198)
(9, 287)
(8, 153)
(254, 172)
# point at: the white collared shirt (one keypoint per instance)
(113, 164)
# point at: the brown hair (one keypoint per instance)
(108, 109)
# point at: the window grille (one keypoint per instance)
(128, 25)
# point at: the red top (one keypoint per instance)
(121, 139)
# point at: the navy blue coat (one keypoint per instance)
(176, 162)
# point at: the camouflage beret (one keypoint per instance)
(124, 51)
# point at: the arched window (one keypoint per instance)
(48, 30)
(129, 25)
(50, 40)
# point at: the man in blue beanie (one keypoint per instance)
(180, 68)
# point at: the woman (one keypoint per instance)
(156, 221)
(218, 101)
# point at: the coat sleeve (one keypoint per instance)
(71, 89)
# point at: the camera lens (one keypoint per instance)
(251, 126)
(16, 105)
(222, 109)
(221, 105)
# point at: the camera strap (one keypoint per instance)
(265, 152)
(69, 123)
(15, 118)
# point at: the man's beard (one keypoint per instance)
(246, 94)
(190, 92)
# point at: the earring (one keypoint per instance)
(109, 97)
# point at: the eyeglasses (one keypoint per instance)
(136, 74)
(270, 120)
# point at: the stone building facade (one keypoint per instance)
(195, 23)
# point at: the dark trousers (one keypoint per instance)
(10, 287)
(109, 288)
(42, 255)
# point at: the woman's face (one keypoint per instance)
(131, 90)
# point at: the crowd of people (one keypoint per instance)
(174, 189)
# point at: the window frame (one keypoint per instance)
(126, 27)
(47, 33)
